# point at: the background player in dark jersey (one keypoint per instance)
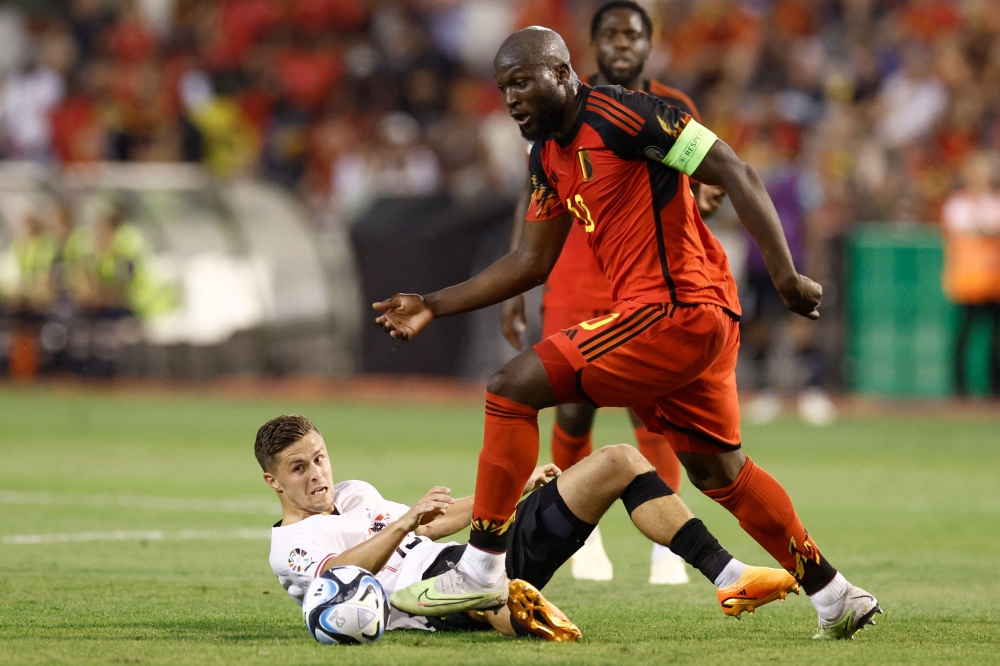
(621, 39)
(618, 163)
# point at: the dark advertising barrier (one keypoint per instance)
(419, 245)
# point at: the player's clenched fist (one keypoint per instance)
(434, 503)
(802, 296)
(404, 316)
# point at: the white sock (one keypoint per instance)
(730, 574)
(659, 550)
(829, 602)
(482, 567)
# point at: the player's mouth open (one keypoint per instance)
(318, 491)
(520, 118)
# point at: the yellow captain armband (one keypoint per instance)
(690, 148)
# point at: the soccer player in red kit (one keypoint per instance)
(619, 163)
(577, 290)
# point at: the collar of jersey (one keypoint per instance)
(591, 81)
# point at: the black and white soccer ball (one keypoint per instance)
(346, 605)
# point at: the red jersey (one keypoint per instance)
(623, 173)
(576, 281)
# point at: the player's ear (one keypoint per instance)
(271, 481)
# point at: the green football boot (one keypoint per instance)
(451, 592)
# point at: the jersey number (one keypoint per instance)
(588, 221)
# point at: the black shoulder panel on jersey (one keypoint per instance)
(617, 118)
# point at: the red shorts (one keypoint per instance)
(675, 366)
(556, 319)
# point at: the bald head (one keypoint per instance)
(537, 82)
(533, 47)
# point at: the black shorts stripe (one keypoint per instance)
(613, 329)
(591, 345)
(618, 344)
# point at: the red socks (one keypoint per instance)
(510, 452)
(568, 450)
(766, 513)
(656, 449)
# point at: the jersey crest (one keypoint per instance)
(586, 167)
(380, 523)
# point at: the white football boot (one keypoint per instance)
(666, 567)
(858, 612)
(591, 562)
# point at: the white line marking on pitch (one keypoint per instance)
(148, 535)
(260, 506)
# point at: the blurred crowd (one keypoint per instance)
(853, 109)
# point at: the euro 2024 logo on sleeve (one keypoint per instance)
(299, 560)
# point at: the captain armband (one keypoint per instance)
(690, 148)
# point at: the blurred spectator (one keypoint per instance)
(28, 100)
(971, 278)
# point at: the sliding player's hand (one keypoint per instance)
(512, 321)
(404, 316)
(541, 476)
(802, 296)
(434, 503)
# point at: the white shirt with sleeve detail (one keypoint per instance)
(300, 550)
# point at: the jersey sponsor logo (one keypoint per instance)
(380, 523)
(299, 560)
(586, 167)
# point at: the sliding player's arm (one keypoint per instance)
(721, 166)
(459, 514)
(529, 265)
(374, 553)
(512, 320)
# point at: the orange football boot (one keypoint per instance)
(530, 610)
(755, 587)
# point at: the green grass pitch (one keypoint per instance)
(908, 508)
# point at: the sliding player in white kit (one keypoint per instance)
(325, 525)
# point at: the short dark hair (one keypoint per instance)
(647, 22)
(277, 435)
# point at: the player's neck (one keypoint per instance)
(291, 514)
(638, 83)
(570, 113)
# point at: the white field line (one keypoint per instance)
(254, 506)
(149, 535)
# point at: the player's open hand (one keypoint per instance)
(541, 476)
(512, 321)
(802, 296)
(434, 503)
(404, 315)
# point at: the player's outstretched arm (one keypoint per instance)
(373, 554)
(722, 167)
(512, 320)
(405, 315)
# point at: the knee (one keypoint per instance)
(575, 419)
(712, 472)
(502, 384)
(624, 462)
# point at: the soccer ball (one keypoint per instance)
(345, 605)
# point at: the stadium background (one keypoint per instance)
(200, 199)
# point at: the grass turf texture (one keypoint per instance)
(907, 507)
